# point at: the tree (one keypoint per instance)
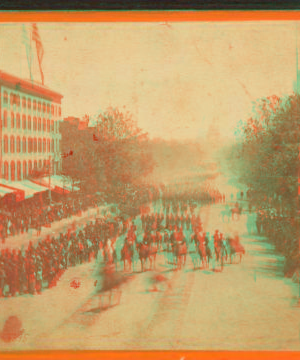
(110, 154)
(121, 151)
(266, 155)
(266, 159)
(78, 154)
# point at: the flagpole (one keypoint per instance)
(30, 57)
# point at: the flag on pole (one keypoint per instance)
(39, 48)
(26, 41)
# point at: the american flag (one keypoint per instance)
(27, 43)
(39, 47)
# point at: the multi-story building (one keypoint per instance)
(29, 128)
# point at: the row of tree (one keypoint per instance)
(109, 153)
(265, 157)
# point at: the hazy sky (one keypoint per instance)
(175, 78)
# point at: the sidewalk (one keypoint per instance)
(22, 240)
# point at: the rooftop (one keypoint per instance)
(29, 87)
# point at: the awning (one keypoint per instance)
(57, 184)
(28, 188)
(7, 188)
(4, 191)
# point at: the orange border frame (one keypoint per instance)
(149, 16)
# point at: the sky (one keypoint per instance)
(175, 78)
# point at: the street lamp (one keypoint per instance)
(49, 168)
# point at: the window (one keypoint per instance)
(29, 104)
(29, 122)
(12, 170)
(29, 167)
(39, 106)
(24, 169)
(18, 145)
(24, 122)
(40, 124)
(44, 125)
(59, 111)
(34, 105)
(18, 120)
(45, 164)
(24, 144)
(35, 164)
(23, 103)
(52, 110)
(18, 100)
(35, 145)
(48, 145)
(44, 145)
(5, 144)
(12, 99)
(19, 170)
(52, 125)
(44, 107)
(30, 145)
(12, 144)
(48, 125)
(34, 123)
(5, 98)
(5, 118)
(48, 108)
(52, 145)
(6, 171)
(12, 120)
(40, 145)
(40, 164)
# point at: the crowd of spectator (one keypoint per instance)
(41, 265)
(20, 218)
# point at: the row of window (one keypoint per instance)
(14, 99)
(10, 168)
(30, 145)
(35, 125)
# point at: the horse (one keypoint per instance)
(221, 250)
(204, 255)
(110, 255)
(236, 212)
(153, 250)
(236, 248)
(144, 254)
(112, 282)
(158, 239)
(225, 213)
(194, 254)
(180, 251)
(127, 255)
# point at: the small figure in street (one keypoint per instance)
(158, 282)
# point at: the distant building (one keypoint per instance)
(72, 120)
(213, 134)
(29, 128)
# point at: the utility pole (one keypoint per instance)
(50, 179)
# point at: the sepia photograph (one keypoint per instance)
(149, 185)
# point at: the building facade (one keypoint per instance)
(29, 128)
